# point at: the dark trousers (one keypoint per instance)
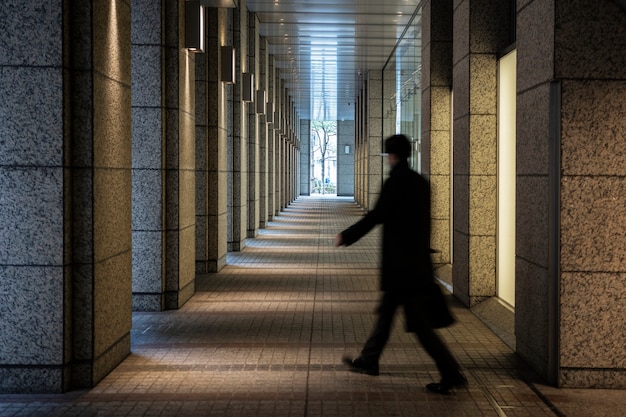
(415, 321)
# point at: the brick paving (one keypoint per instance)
(265, 337)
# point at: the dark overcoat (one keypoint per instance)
(403, 209)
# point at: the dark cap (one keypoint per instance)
(398, 145)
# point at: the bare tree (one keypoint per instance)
(322, 144)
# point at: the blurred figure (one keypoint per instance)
(407, 280)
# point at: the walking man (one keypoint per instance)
(403, 209)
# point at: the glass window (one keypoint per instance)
(402, 88)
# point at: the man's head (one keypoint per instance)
(398, 148)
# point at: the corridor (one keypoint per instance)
(265, 337)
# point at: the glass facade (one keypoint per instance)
(402, 86)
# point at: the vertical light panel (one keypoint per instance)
(247, 87)
(505, 266)
(260, 102)
(194, 26)
(269, 112)
(228, 64)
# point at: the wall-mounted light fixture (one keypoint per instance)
(277, 121)
(247, 87)
(220, 3)
(346, 149)
(228, 64)
(194, 26)
(260, 102)
(269, 112)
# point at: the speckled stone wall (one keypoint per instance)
(163, 160)
(280, 146)
(360, 161)
(239, 155)
(589, 58)
(572, 75)
(66, 158)
(295, 163)
(390, 108)
(479, 35)
(254, 126)
(533, 189)
(274, 172)
(358, 137)
(286, 154)
(148, 150)
(212, 188)
(289, 179)
(202, 109)
(112, 187)
(374, 169)
(436, 120)
(32, 224)
(180, 282)
(362, 147)
(75, 195)
(281, 149)
(271, 139)
(263, 132)
(279, 174)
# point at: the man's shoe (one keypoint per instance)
(446, 384)
(360, 366)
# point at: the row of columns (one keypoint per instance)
(368, 161)
(127, 168)
(569, 172)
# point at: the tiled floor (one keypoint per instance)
(265, 337)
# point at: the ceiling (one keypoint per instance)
(323, 47)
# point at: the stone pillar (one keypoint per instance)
(202, 144)
(345, 160)
(263, 133)
(163, 161)
(149, 233)
(278, 154)
(293, 157)
(65, 211)
(284, 165)
(360, 171)
(436, 120)
(534, 273)
(271, 139)
(280, 171)
(389, 105)
(212, 202)
(254, 189)
(33, 227)
(180, 282)
(305, 164)
(297, 192)
(571, 191)
(282, 155)
(239, 207)
(361, 147)
(272, 142)
(101, 188)
(287, 156)
(374, 164)
(478, 37)
(290, 171)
